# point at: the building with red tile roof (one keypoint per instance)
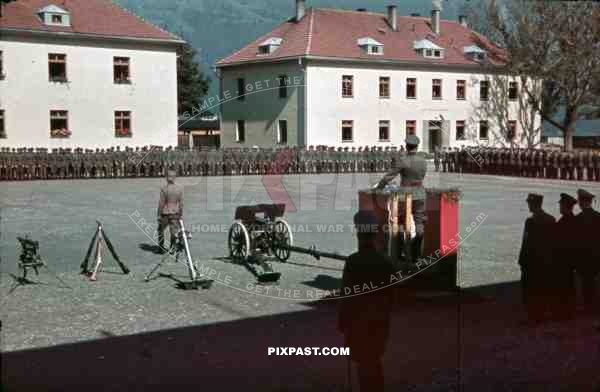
(357, 78)
(85, 73)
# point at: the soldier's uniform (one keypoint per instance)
(580, 165)
(588, 255)
(535, 257)
(436, 158)
(561, 293)
(412, 168)
(596, 162)
(571, 165)
(170, 209)
(589, 166)
(444, 158)
(539, 164)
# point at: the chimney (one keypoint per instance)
(300, 10)
(392, 17)
(435, 16)
(462, 19)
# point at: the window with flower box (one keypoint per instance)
(59, 124)
(122, 124)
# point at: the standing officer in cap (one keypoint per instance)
(562, 288)
(534, 258)
(170, 210)
(364, 316)
(413, 169)
(588, 255)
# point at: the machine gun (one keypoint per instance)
(31, 259)
(181, 247)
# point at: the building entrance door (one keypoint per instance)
(435, 135)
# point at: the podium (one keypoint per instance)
(439, 268)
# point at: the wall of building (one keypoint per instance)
(326, 108)
(91, 97)
(262, 107)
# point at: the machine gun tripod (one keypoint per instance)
(182, 248)
(31, 259)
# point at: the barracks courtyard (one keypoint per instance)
(120, 333)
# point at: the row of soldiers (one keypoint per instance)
(520, 162)
(32, 164)
(553, 253)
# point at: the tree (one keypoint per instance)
(192, 84)
(558, 43)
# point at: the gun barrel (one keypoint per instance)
(312, 251)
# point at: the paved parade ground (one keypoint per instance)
(234, 322)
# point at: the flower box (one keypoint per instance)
(60, 133)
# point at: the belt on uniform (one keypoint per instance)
(411, 183)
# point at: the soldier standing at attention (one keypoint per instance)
(412, 168)
(562, 288)
(170, 210)
(444, 156)
(587, 256)
(364, 318)
(535, 256)
(436, 158)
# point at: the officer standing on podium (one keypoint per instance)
(412, 168)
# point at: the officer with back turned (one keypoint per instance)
(170, 210)
(412, 168)
(535, 257)
(587, 256)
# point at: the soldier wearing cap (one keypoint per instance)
(412, 168)
(364, 316)
(562, 288)
(588, 255)
(170, 209)
(535, 257)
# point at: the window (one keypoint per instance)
(513, 91)
(512, 130)
(347, 86)
(59, 124)
(411, 127)
(1, 66)
(484, 90)
(347, 130)
(461, 89)
(122, 124)
(411, 88)
(437, 53)
(384, 131)
(57, 65)
(384, 87)
(121, 69)
(460, 130)
(429, 53)
(240, 131)
(436, 89)
(483, 130)
(264, 49)
(57, 19)
(2, 129)
(282, 132)
(375, 49)
(283, 83)
(241, 83)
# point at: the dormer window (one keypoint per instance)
(269, 46)
(428, 49)
(53, 15)
(475, 53)
(370, 46)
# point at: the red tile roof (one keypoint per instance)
(334, 33)
(99, 17)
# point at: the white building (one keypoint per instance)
(355, 78)
(85, 73)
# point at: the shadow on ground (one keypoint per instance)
(471, 338)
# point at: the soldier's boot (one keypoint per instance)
(416, 245)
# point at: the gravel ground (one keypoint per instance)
(107, 313)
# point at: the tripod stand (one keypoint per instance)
(182, 248)
(99, 238)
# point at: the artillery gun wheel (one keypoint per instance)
(239, 242)
(282, 239)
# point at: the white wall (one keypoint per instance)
(326, 108)
(90, 96)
